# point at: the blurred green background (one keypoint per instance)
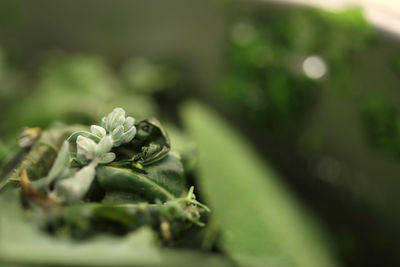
(314, 92)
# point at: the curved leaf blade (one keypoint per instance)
(163, 180)
(261, 220)
(61, 163)
(151, 144)
(73, 189)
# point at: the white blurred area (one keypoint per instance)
(384, 14)
(314, 67)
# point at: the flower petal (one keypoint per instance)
(129, 123)
(98, 131)
(129, 135)
(85, 147)
(117, 133)
(104, 145)
(106, 158)
(115, 119)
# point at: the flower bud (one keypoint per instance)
(122, 129)
(98, 131)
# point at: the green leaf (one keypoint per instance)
(261, 219)
(73, 189)
(60, 164)
(150, 144)
(84, 220)
(41, 156)
(162, 180)
(23, 243)
(185, 147)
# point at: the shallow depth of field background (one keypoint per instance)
(315, 93)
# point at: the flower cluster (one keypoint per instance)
(87, 150)
(68, 185)
(121, 129)
(115, 130)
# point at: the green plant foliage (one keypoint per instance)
(74, 188)
(142, 75)
(260, 218)
(151, 143)
(21, 243)
(264, 81)
(40, 157)
(6, 149)
(185, 147)
(67, 81)
(81, 193)
(162, 180)
(381, 122)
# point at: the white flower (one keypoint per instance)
(115, 130)
(87, 150)
(114, 119)
(122, 129)
(98, 131)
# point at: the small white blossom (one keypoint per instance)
(115, 130)
(98, 131)
(87, 150)
(114, 119)
(121, 129)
